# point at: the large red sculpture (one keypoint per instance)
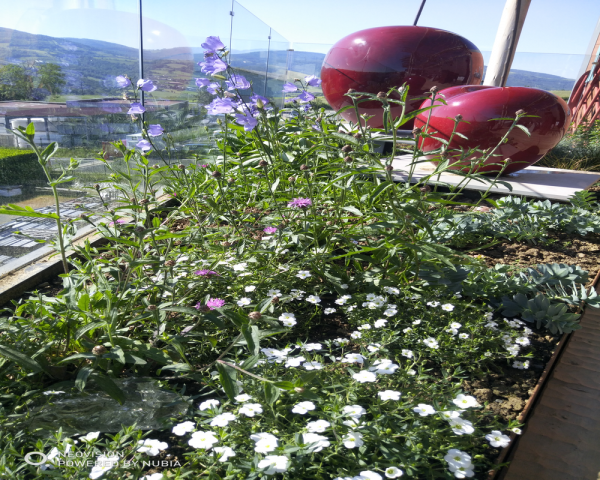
(377, 59)
(478, 105)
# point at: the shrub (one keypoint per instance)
(20, 167)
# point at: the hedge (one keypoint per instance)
(20, 167)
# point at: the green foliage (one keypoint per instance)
(20, 167)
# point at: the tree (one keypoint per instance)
(15, 83)
(51, 77)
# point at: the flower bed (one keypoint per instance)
(320, 320)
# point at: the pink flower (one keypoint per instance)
(300, 202)
(205, 273)
(215, 303)
(119, 221)
(270, 230)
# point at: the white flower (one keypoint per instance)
(274, 464)
(496, 439)
(389, 395)
(450, 414)
(521, 365)
(103, 464)
(209, 404)
(460, 426)
(329, 311)
(151, 446)
(516, 430)
(251, 409)
(457, 458)
(407, 329)
(303, 274)
(431, 342)
(182, 428)
(355, 335)
(319, 442)
(369, 475)
(303, 407)
(424, 409)
(153, 476)
(380, 323)
(288, 323)
(90, 436)
(390, 312)
(225, 453)
(393, 472)
(455, 325)
(365, 326)
(312, 346)
(465, 401)
(375, 347)
(250, 288)
(318, 426)
(294, 361)
(384, 367)
(343, 299)
(257, 437)
(242, 302)
(313, 365)
(353, 440)
(353, 358)
(433, 304)
(491, 325)
(452, 331)
(462, 472)
(203, 440)
(274, 293)
(463, 336)
(364, 376)
(344, 286)
(391, 290)
(222, 420)
(313, 299)
(354, 411)
(513, 349)
(53, 392)
(488, 354)
(340, 342)
(523, 341)
(448, 307)
(407, 353)
(410, 371)
(287, 316)
(297, 294)
(265, 445)
(417, 321)
(240, 267)
(353, 423)
(244, 397)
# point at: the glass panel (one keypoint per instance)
(58, 63)
(278, 63)
(307, 59)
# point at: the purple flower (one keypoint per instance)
(202, 82)
(213, 44)
(144, 145)
(136, 108)
(146, 85)
(289, 87)
(257, 97)
(204, 166)
(123, 81)
(300, 203)
(306, 97)
(119, 222)
(205, 273)
(270, 230)
(213, 88)
(221, 105)
(312, 81)
(213, 65)
(290, 100)
(215, 303)
(247, 121)
(155, 130)
(237, 81)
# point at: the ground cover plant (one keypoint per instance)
(221, 295)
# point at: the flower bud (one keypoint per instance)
(348, 159)
(299, 389)
(275, 300)
(97, 186)
(416, 131)
(144, 201)
(83, 216)
(351, 90)
(458, 118)
(181, 166)
(216, 174)
(230, 180)
(425, 189)
(155, 167)
(303, 167)
(170, 263)
(357, 135)
(346, 149)
(382, 95)
(151, 307)
(226, 244)
(434, 89)
(139, 229)
(291, 179)
(99, 350)
(133, 200)
(297, 80)
(389, 168)
(255, 315)
(262, 163)
(521, 112)
(177, 242)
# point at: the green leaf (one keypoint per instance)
(82, 377)
(49, 151)
(271, 392)
(84, 302)
(285, 385)
(25, 212)
(353, 210)
(88, 327)
(228, 378)
(250, 362)
(89, 356)
(178, 367)
(20, 358)
(251, 334)
(30, 130)
(109, 387)
(525, 129)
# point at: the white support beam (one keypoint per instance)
(506, 42)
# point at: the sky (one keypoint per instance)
(556, 31)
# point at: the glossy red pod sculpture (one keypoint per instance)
(478, 105)
(376, 59)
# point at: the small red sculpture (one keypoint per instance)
(478, 105)
(376, 59)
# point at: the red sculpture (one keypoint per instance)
(479, 104)
(377, 59)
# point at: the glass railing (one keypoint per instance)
(58, 65)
